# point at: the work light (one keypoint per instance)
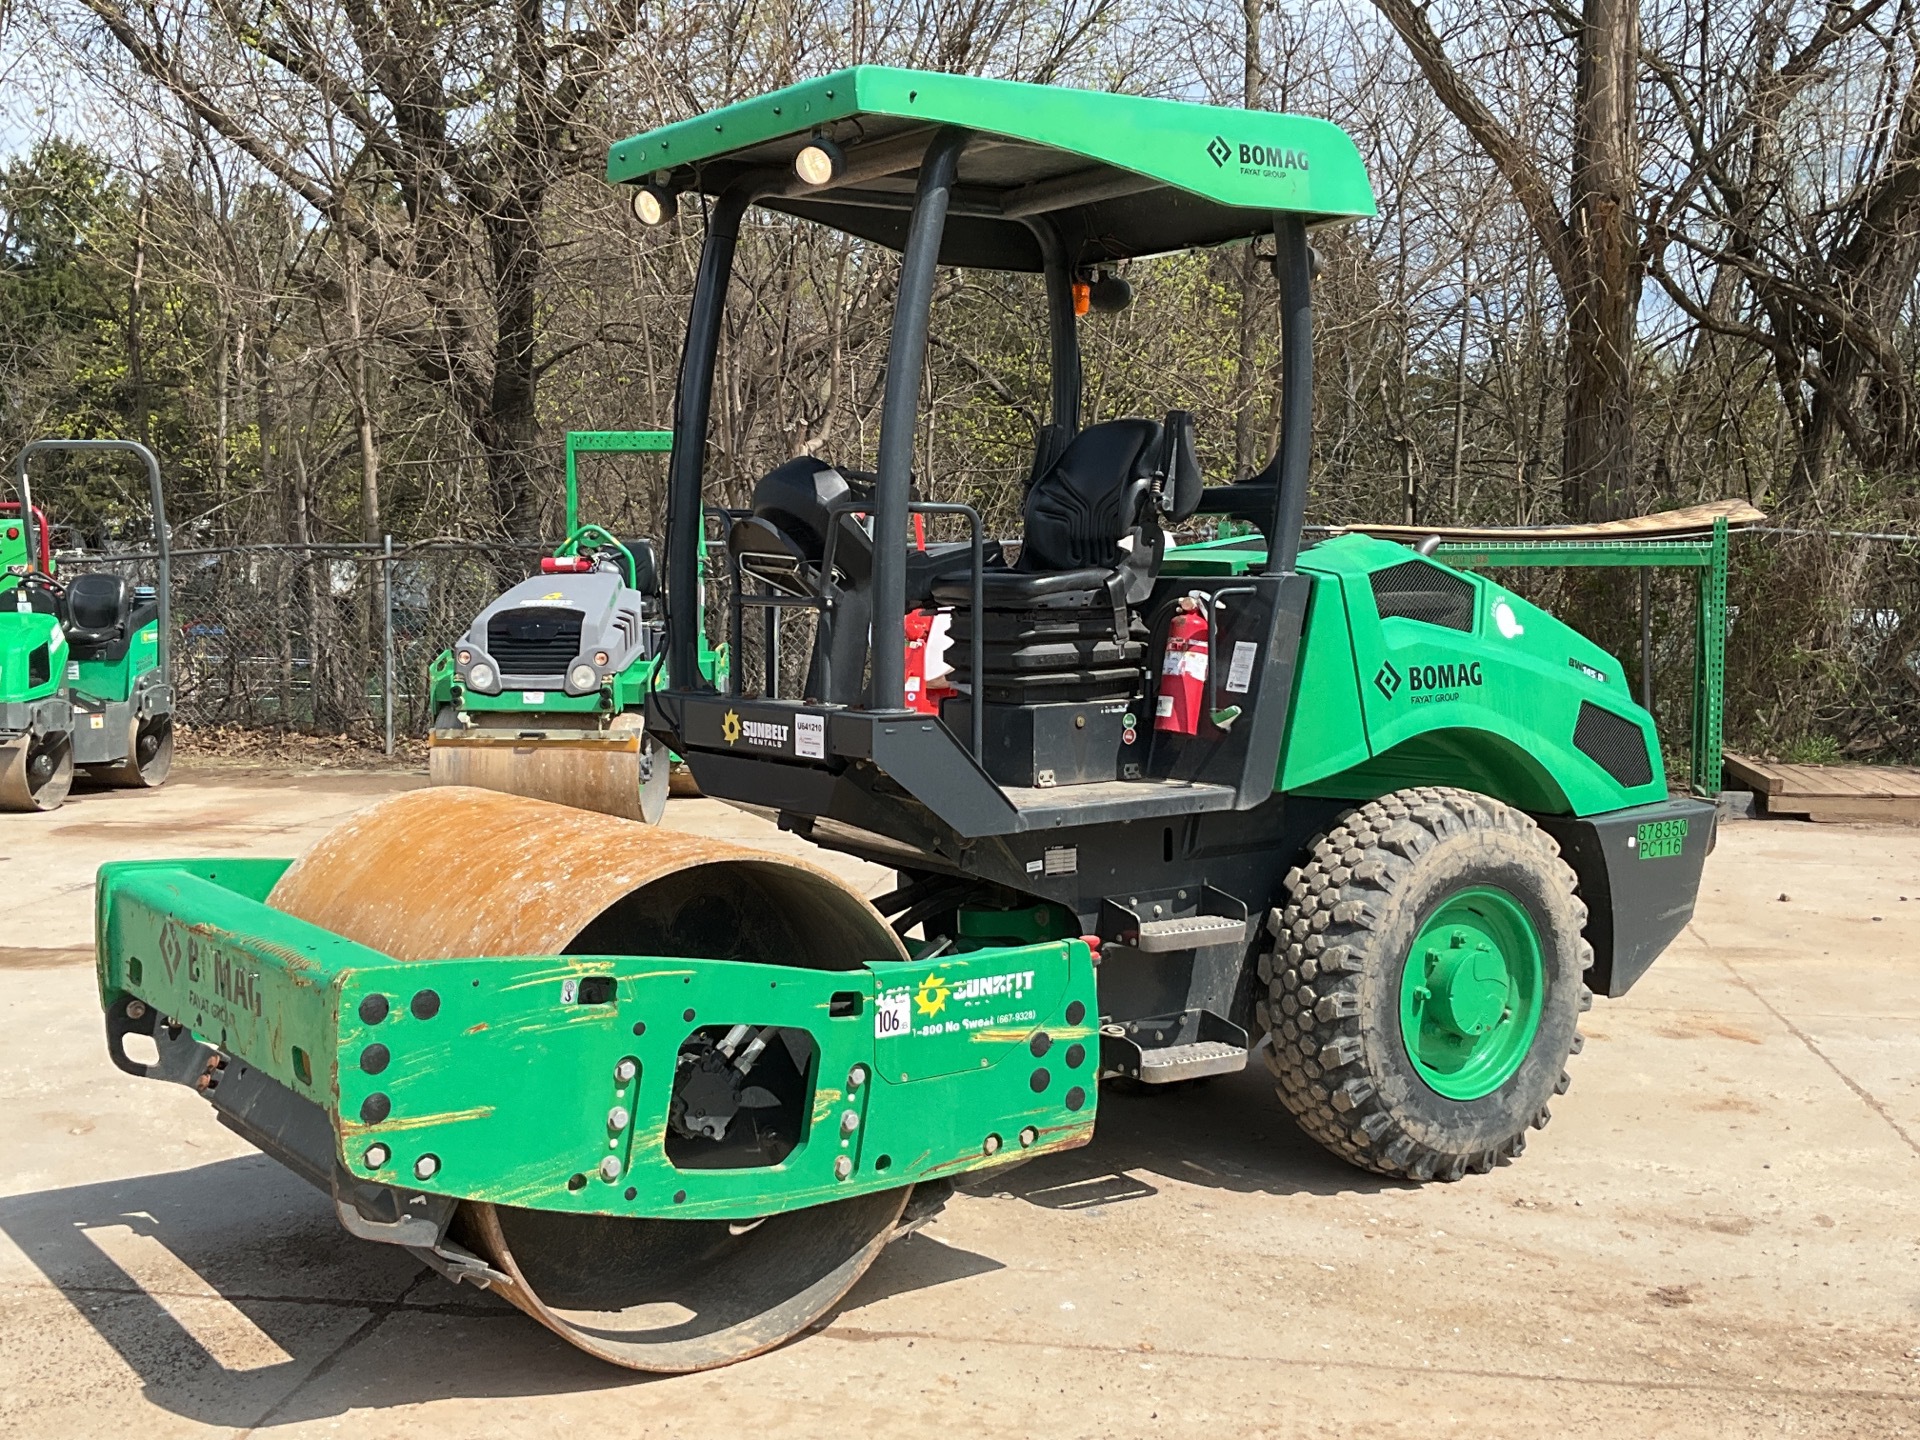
(653, 205)
(819, 162)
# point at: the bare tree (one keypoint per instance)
(1591, 239)
(462, 123)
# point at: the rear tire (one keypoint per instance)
(1424, 984)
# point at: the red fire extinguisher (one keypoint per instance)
(1183, 670)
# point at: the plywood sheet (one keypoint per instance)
(1691, 521)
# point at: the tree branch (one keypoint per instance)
(1530, 186)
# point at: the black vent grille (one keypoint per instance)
(1415, 590)
(1614, 743)
(534, 641)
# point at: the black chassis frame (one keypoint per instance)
(1206, 835)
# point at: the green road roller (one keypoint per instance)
(1378, 825)
(545, 693)
(85, 684)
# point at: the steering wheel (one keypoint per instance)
(39, 579)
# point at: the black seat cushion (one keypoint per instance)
(1089, 499)
(1078, 513)
(1012, 589)
(96, 608)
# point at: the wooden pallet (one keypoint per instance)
(1885, 793)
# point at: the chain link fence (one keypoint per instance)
(1823, 655)
(328, 639)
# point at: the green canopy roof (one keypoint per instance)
(1118, 175)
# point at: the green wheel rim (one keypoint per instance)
(1471, 993)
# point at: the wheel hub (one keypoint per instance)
(1471, 993)
(1468, 983)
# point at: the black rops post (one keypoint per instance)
(1287, 471)
(899, 416)
(692, 402)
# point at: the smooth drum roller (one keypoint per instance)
(149, 757)
(36, 771)
(620, 770)
(455, 871)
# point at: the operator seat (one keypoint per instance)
(782, 543)
(644, 574)
(783, 540)
(1060, 623)
(96, 611)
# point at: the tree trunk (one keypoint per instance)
(222, 407)
(506, 424)
(136, 338)
(362, 405)
(1597, 462)
(1593, 250)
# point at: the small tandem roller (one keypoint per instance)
(669, 1096)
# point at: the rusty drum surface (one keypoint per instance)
(454, 871)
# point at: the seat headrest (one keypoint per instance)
(1180, 465)
(95, 603)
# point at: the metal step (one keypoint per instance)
(1189, 1062)
(1158, 1049)
(1186, 932)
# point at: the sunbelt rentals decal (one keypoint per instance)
(943, 1004)
(765, 734)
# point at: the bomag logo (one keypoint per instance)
(1429, 682)
(1256, 159)
(1443, 677)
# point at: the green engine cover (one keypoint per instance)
(1414, 673)
(33, 654)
